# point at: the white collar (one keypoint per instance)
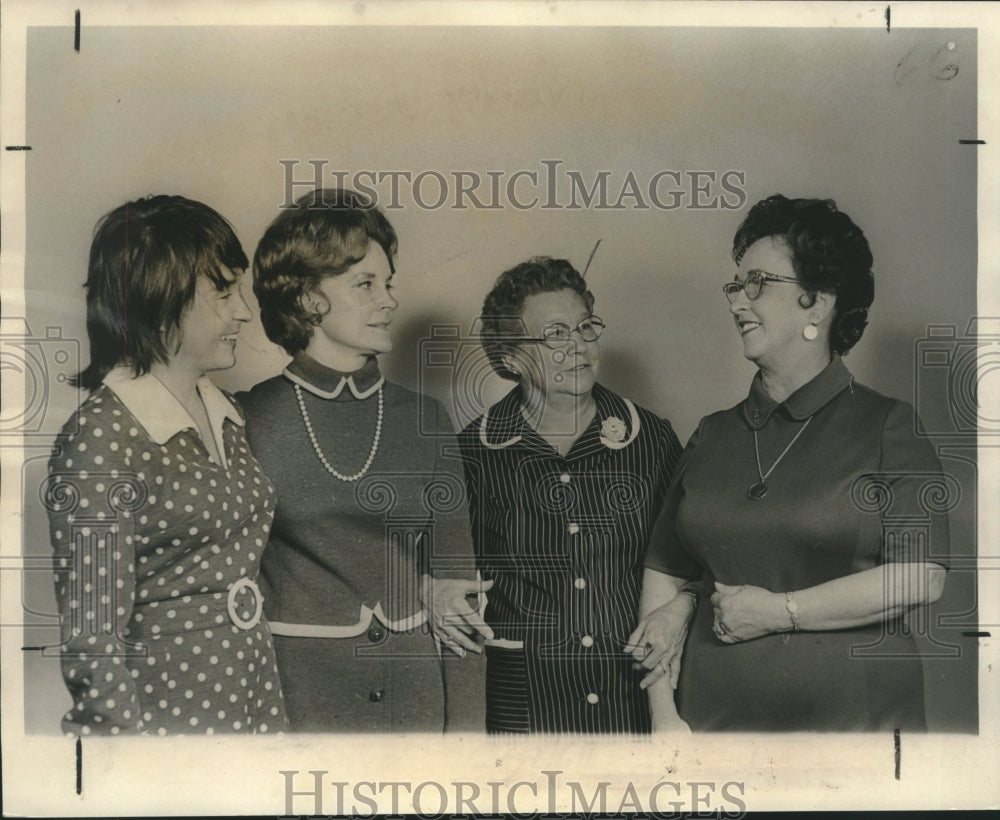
(617, 442)
(162, 415)
(345, 381)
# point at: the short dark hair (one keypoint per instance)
(504, 304)
(829, 254)
(145, 260)
(323, 234)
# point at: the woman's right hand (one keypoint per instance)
(658, 641)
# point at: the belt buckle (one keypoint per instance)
(245, 624)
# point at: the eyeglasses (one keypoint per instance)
(559, 334)
(752, 284)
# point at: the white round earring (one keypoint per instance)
(809, 332)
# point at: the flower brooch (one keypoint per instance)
(615, 433)
(613, 429)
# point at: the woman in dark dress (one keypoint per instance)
(159, 512)
(370, 548)
(565, 479)
(813, 514)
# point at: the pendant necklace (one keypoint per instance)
(318, 450)
(757, 490)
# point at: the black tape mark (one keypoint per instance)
(76, 31)
(18, 147)
(976, 635)
(899, 750)
(79, 765)
(888, 19)
(972, 142)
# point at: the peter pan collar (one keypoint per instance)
(161, 414)
(328, 383)
(615, 426)
(804, 402)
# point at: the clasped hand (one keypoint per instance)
(657, 642)
(745, 612)
(454, 621)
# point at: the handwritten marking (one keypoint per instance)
(899, 751)
(976, 635)
(18, 147)
(888, 19)
(76, 31)
(972, 142)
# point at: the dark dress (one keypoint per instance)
(564, 540)
(157, 549)
(340, 573)
(856, 490)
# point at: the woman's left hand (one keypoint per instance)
(745, 612)
(454, 622)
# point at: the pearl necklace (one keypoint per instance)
(318, 450)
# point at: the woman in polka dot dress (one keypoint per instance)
(158, 510)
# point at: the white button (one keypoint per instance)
(574, 528)
(592, 698)
(564, 478)
(579, 583)
(587, 641)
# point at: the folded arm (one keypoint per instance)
(745, 612)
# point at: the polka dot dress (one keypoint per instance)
(151, 543)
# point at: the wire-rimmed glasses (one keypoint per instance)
(558, 335)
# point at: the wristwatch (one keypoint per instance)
(793, 611)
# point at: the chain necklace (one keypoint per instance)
(757, 490)
(318, 450)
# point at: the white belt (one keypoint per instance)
(351, 631)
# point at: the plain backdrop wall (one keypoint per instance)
(870, 119)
